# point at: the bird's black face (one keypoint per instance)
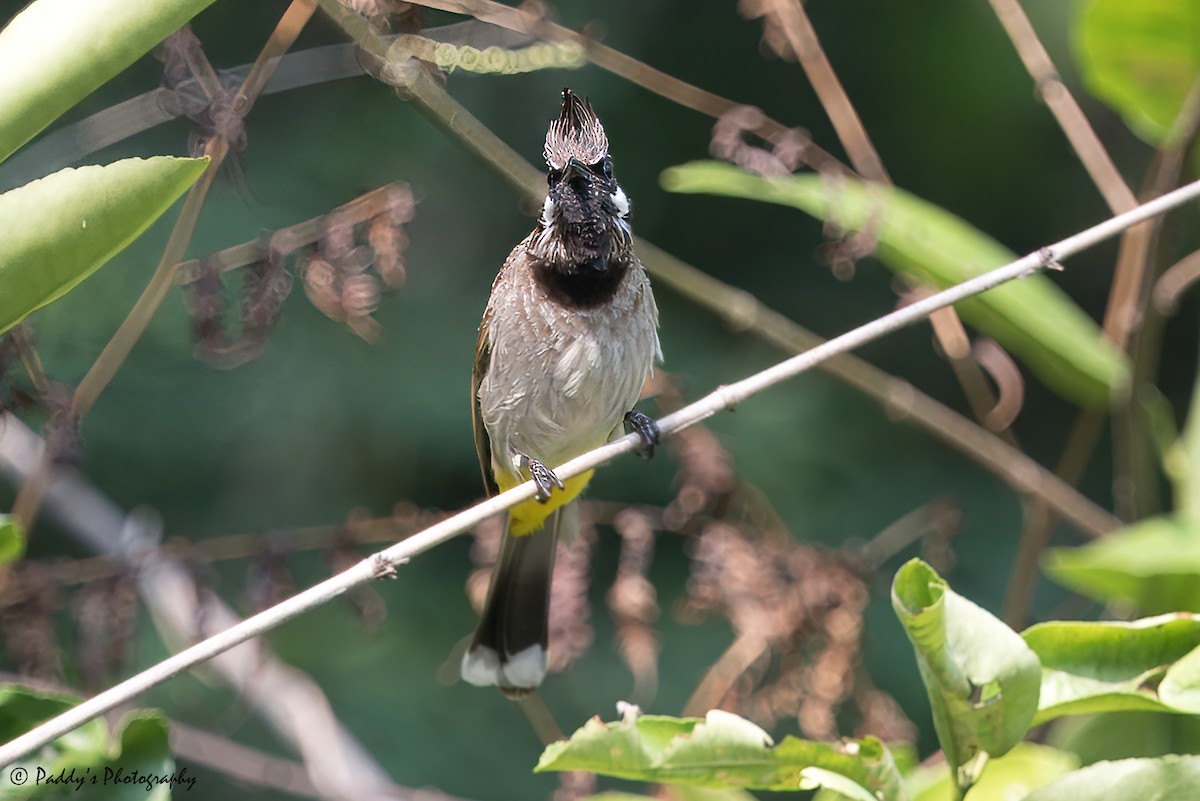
(585, 215)
(583, 192)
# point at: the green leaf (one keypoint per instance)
(1149, 664)
(1169, 778)
(1154, 564)
(135, 763)
(982, 679)
(142, 751)
(12, 540)
(1032, 318)
(1024, 768)
(724, 750)
(56, 52)
(60, 229)
(1123, 735)
(1141, 57)
(1182, 464)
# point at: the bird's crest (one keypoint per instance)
(577, 133)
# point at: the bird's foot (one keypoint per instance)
(645, 427)
(544, 478)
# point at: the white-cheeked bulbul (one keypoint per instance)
(568, 339)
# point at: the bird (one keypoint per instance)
(567, 342)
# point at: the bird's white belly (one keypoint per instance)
(556, 397)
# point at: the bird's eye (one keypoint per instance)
(606, 166)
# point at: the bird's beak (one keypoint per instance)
(575, 169)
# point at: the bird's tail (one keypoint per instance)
(509, 647)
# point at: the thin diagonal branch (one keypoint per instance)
(723, 398)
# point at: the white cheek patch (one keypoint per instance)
(548, 209)
(620, 201)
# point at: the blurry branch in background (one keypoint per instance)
(183, 47)
(788, 31)
(1133, 468)
(216, 147)
(636, 72)
(384, 563)
(1142, 338)
(183, 612)
(1062, 105)
(741, 310)
(788, 20)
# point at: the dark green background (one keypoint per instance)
(324, 423)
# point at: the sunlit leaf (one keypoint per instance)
(1024, 768)
(1148, 664)
(56, 52)
(60, 229)
(1032, 318)
(1154, 564)
(1141, 57)
(12, 540)
(1169, 778)
(724, 750)
(981, 677)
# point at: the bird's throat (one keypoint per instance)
(581, 285)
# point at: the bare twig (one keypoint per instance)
(720, 678)
(1062, 105)
(723, 398)
(802, 39)
(540, 717)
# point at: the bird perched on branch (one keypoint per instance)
(566, 343)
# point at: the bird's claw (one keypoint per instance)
(645, 427)
(544, 478)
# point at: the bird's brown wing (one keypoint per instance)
(483, 445)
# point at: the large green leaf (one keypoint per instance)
(1148, 664)
(982, 679)
(1141, 57)
(58, 230)
(1154, 564)
(133, 764)
(1169, 778)
(724, 750)
(56, 52)
(1032, 318)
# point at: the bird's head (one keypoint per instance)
(585, 215)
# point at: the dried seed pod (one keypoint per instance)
(360, 294)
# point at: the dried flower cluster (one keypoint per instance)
(338, 278)
(729, 143)
(802, 609)
(29, 603)
(346, 258)
(200, 93)
(634, 602)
